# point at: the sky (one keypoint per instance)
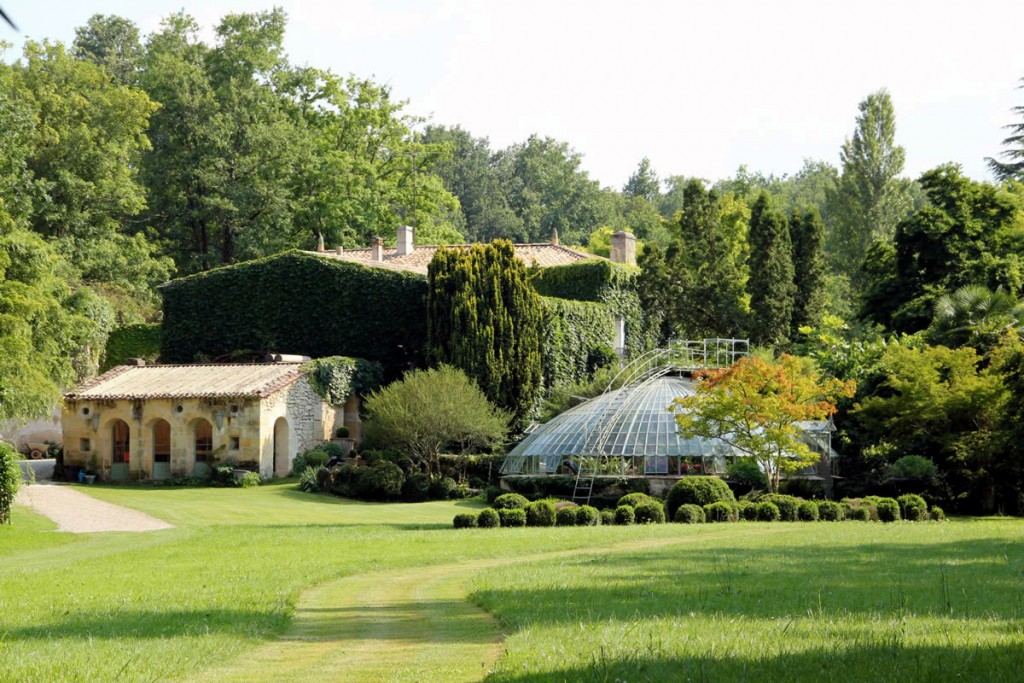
(697, 87)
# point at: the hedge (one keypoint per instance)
(298, 303)
(131, 341)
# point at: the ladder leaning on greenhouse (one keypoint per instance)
(678, 356)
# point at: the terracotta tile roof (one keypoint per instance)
(544, 255)
(128, 382)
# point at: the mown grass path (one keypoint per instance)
(397, 625)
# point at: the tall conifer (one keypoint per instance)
(807, 233)
(771, 273)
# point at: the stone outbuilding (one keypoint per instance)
(159, 421)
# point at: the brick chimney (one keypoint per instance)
(624, 248)
(405, 240)
(376, 248)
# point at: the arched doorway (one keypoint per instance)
(202, 448)
(161, 449)
(119, 454)
(282, 458)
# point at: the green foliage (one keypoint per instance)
(788, 505)
(382, 480)
(484, 318)
(649, 513)
(309, 304)
(309, 480)
(624, 515)
(746, 510)
(459, 415)
(858, 514)
(768, 512)
(576, 341)
(249, 480)
(688, 513)
(975, 316)
(592, 280)
(510, 501)
(488, 518)
(566, 516)
(888, 510)
(830, 511)
(772, 292)
(720, 512)
(634, 499)
(1013, 168)
(745, 471)
(464, 520)
(443, 488)
(335, 378)
(512, 517)
(607, 517)
(10, 480)
(316, 457)
(937, 514)
(587, 515)
(416, 488)
(697, 491)
(913, 507)
(808, 511)
(131, 341)
(912, 467)
(807, 234)
(540, 513)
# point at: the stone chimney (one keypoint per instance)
(554, 238)
(376, 249)
(624, 248)
(320, 242)
(339, 250)
(405, 240)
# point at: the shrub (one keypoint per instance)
(512, 516)
(787, 505)
(317, 457)
(10, 481)
(830, 511)
(299, 465)
(223, 475)
(540, 513)
(488, 518)
(607, 517)
(443, 488)
(509, 501)
(589, 516)
(624, 515)
(333, 450)
(383, 480)
(851, 505)
(697, 491)
(745, 471)
(937, 514)
(566, 516)
(807, 511)
(649, 513)
(768, 512)
(720, 512)
(341, 433)
(688, 513)
(888, 510)
(250, 480)
(912, 507)
(634, 499)
(308, 481)
(746, 510)
(861, 513)
(912, 467)
(464, 520)
(416, 488)
(492, 493)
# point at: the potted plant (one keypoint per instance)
(341, 437)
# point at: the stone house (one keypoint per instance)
(158, 421)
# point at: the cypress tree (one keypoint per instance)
(485, 318)
(807, 233)
(771, 273)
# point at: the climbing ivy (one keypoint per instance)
(10, 480)
(335, 378)
(131, 341)
(301, 303)
(577, 340)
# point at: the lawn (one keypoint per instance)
(850, 601)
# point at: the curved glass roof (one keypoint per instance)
(632, 421)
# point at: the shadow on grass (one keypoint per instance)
(965, 579)
(413, 623)
(872, 662)
(142, 624)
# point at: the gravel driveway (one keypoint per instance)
(81, 514)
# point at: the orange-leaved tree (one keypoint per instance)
(754, 406)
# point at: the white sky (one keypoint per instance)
(700, 88)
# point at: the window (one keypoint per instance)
(119, 454)
(234, 443)
(204, 440)
(161, 441)
(84, 445)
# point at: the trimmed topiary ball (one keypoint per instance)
(464, 520)
(587, 516)
(787, 505)
(488, 518)
(888, 510)
(689, 514)
(807, 511)
(510, 501)
(607, 517)
(566, 516)
(746, 510)
(624, 515)
(768, 512)
(720, 512)
(859, 513)
(937, 514)
(912, 507)
(540, 513)
(697, 491)
(634, 499)
(649, 513)
(512, 517)
(830, 511)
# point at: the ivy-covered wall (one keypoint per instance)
(577, 339)
(131, 341)
(297, 303)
